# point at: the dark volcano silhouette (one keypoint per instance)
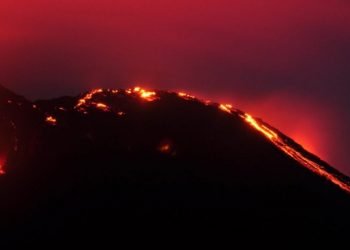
(115, 158)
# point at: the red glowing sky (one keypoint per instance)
(286, 61)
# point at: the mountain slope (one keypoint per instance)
(116, 156)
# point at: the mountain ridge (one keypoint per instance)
(161, 155)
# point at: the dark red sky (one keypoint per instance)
(286, 61)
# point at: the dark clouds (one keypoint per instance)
(287, 61)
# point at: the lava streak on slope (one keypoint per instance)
(150, 154)
(282, 144)
(295, 154)
(266, 130)
(95, 100)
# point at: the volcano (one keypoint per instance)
(73, 165)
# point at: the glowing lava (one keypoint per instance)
(88, 97)
(186, 96)
(88, 100)
(275, 137)
(261, 128)
(51, 120)
(102, 106)
(226, 107)
(144, 94)
(281, 144)
(295, 154)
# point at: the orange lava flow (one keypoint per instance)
(87, 101)
(279, 142)
(144, 94)
(261, 128)
(102, 106)
(226, 108)
(51, 120)
(274, 137)
(186, 96)
(88, 97)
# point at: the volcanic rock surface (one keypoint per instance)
(117, 158)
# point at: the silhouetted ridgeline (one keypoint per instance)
(77, 165)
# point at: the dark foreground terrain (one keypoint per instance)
(114, 160)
